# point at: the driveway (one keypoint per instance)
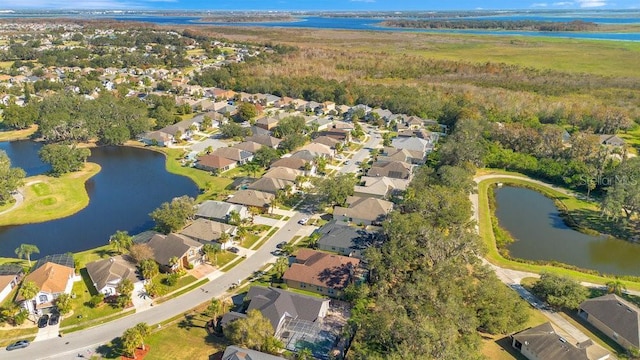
(141, 300)
(89, 339)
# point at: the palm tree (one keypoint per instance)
(242, 232)
(281, 266)
(251, 168)
(234, 218)
(304, 354)
(173, 261)
(121, 241)
(25, 251)
(144, 330)
(616, 287)
(29, 290)
(214, 308)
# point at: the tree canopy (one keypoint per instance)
(172, 216)
(63, 158)
(11, 178)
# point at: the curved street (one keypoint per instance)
(72, 344)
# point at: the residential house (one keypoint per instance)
(53, 275)
(611, 140)
(280, 307)
(264, 140)
(272, 185)
(167, 248)
(267, 122)
(320, 123)
(615, 317)
(380, 187)
(328, 106)
(367, 211)
(392, 169)
(283, 102)
(258, 200)
(107, 274)
(320, 150)
(248, 146)
(327, 141)
(259, 131)
(408, 156)
(338, 237)
(233, 352)
(157, 138)
(383, 114)
(544, 343)
(283, 173)
(412, 143)
(295, 164)
(235, 154)
(221, 211)
(305, 155)
(207, 231)
(215, 163)
(322, 273)
(343, 135)
(10, 276)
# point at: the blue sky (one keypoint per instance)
(362, 5)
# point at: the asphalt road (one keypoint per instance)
(72, 344)
(375, 139)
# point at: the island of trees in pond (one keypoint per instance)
(527, 25)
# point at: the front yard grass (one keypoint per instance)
(165, 289)
(81, 312)
(267, 237)
(225, 258)
(11, 335)
(48, 198)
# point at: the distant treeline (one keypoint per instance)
(577, 25)
(247, 18)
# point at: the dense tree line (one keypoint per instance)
(428, 294)
(529, 25)
(69, 117)
(11, 178)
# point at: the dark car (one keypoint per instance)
(234, 250)
(281, 245)
(21, 344)
(54, 318)
(43, 321)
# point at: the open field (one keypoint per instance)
(606, 58)
(48, 198)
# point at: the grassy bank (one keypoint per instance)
(489, 240)
(48, 198)
(12, 135)
(212, 187)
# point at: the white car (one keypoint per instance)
(303, 221)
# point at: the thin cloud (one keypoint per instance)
(563, 3)
(591, 3)
(84, 5)
(539, 5)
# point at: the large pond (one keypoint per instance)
(132, 183)
(541, 234)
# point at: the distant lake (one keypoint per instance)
(540, 233)
(338, 23)
(132, 183)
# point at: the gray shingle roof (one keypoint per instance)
(546, 344)
(211, 209)
(115, 269)
(167, 246)
(338, 234)
(237, 353)
(616, 313)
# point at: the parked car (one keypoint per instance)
(43, 321)
(303, 221)
(282, 244)
(347, 162)
(20, 344)
(234, 250)
(54, 318)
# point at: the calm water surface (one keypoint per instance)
(541, 234)
(132, 183)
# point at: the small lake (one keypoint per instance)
(132, 183)
(541, 234)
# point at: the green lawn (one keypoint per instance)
(267, 237)
(84, 257)
(48, 198)
(166, 289)
(492, 254)
(225, 258)
(81, 312)
(255, 232)
(9, 336)
(213, 187)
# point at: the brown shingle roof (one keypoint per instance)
(214, 161)
(322, 269)
(51, 277)
(252, 198)
(365, 208)
(289, 162)
(103, 272)
(283, 173)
